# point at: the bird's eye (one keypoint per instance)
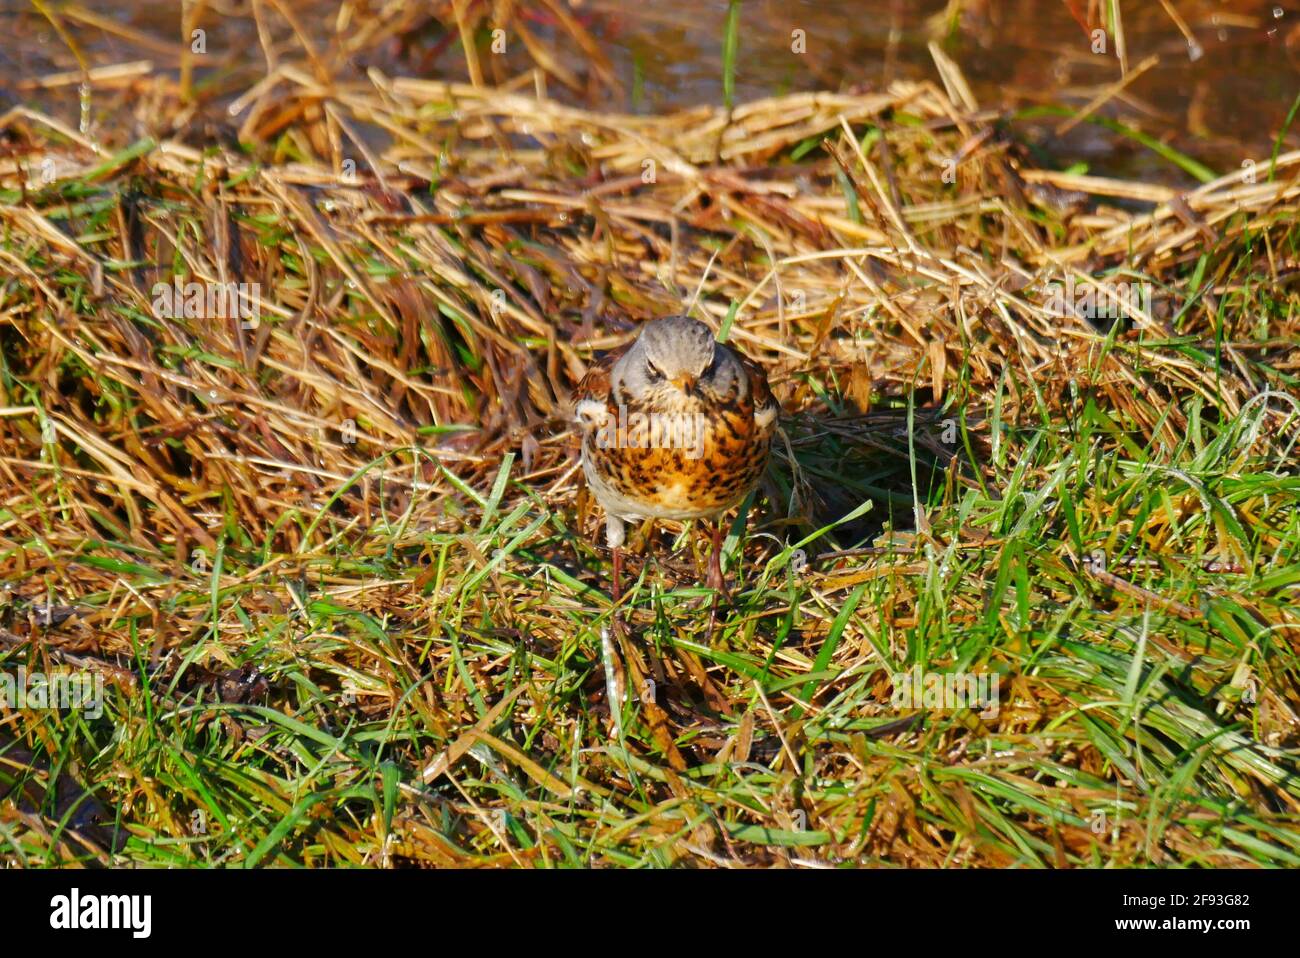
(653, 371)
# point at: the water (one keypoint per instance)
(1226, 75)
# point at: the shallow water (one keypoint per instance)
(1220, 98)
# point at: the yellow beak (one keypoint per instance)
(684, 383)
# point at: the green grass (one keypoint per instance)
(320, 652)
(1108, 748)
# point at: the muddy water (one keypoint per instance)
(1221, 97)
(1224, 76)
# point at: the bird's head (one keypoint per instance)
(675, 350)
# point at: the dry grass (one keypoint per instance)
(336, 570)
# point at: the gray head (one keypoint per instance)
(676, 355)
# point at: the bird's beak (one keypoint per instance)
(684, 383)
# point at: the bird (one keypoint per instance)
(676, 426)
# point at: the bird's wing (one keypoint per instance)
(766, 407)
(594, 385)
(591, 397)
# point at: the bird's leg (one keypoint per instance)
(616, 586)
(614, 535)
(715, 580)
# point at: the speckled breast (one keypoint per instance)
(716, 459)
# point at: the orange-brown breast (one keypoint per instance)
(673, 482)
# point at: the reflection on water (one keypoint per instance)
(1222, 79)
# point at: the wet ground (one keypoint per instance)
(1223, 77)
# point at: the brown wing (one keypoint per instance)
(594, 385)
(766, 408)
